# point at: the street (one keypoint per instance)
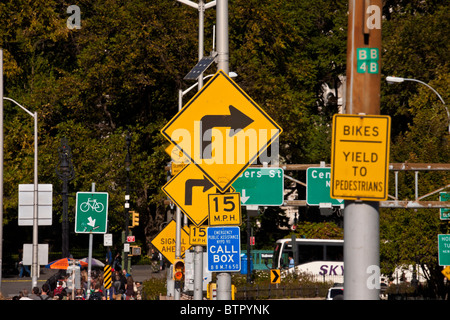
(11, 286)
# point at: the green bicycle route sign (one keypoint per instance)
(91, 213)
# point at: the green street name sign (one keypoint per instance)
(444, 249)
(445, 212)
(91, 213)
(261, 186)
(318, 187)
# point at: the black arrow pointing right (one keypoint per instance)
(236, 120)
(275, 276)
(190, 184)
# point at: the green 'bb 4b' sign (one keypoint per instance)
(367, 60)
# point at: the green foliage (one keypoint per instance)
(319, 230)
(153, 288)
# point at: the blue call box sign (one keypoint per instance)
(223, 247)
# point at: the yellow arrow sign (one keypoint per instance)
(222, 130)
(275, 276)
(165, 241)
(446, 272)
(189, 190)
(360, 157)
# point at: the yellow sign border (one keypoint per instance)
(272, 276)
(171, 256)
(237, 203)
(383, 138)
(193, 241)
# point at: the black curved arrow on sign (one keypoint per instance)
(190, 184)
(236, 120)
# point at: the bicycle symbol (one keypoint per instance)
(93, 205)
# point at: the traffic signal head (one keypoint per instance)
(178, 270)
(134, 219)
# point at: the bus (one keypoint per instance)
(323, 259)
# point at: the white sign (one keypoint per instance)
(28, 254)
(26, 204)
(107, 240)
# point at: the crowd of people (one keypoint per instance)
(123, 287)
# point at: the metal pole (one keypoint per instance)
(223, 278)
(198, 250)
(361, 219)
(1, 166)
(249, 276)
(35, 265)
(361, 250)
(177, 248)
(201, 17)
(198, 273)
(222, 35)
(91, 240)
(177, 288)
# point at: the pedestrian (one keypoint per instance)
(63, 295)
(109, 259)
(35, 294)
(23, 268)
(58, 289)
(138, 291)
(45, 293)
(79, 294)
(97, 294)
(117, 287)
(291, 262)
(24, 295)
(161, 261)
(117, 262)
(130, 289)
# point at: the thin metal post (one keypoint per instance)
(1, 166)
(201, 17)
(177, 249)
(91, 240)
(35, 263)
(416, 184)
(223, 278)
(222, 35)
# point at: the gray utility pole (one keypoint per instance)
(222, 35)
(35, 254)
(361, 219)
(198, 256)
(223, 278)
(35, 263)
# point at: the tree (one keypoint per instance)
(415, 47)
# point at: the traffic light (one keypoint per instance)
(134, 219)
(178, 270)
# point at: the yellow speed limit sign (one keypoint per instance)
(197, 235)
